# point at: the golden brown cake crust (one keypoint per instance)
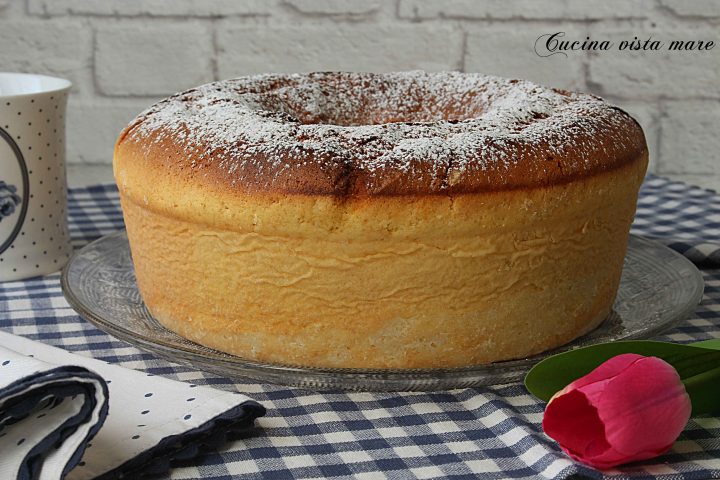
(389, 282)
(363, 134)
(403, 220)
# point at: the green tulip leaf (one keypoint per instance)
(712, 344)
(698, 365)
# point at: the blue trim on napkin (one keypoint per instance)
(23, 397)
(159, 459)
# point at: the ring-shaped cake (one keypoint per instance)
(401, 220)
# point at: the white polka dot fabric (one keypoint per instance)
(61, 413)
(41, 406)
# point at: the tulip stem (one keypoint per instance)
(704, 391)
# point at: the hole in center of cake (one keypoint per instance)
(369, 116)
(352, 106)
(382, 118)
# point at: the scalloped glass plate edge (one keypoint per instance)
(653, 273)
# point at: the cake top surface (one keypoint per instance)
(381, 134)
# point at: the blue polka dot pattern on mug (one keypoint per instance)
(34, 237)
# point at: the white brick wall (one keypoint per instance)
(146, 57)
(124, 54)
(508, 52)
(523, 9)
(382, 47)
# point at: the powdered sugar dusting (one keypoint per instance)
(381, 125)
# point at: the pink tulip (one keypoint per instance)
(630, 408)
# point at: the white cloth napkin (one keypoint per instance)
(64, 415)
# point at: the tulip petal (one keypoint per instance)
(612, 458)
(607, 370)
(574, 423)
(644, 408)
(630, 408)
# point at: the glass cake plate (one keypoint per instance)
(659, 288)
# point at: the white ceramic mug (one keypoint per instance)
(34, 237)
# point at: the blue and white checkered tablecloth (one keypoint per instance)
(491, 432)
